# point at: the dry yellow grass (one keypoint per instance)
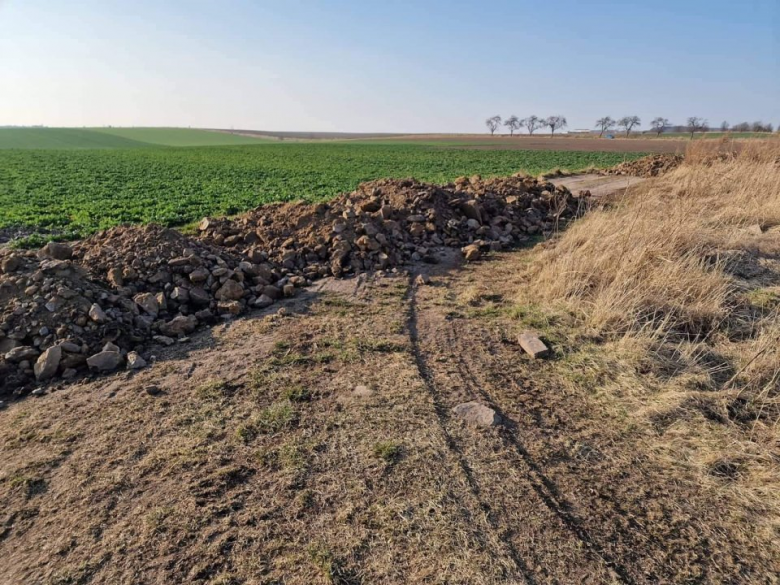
(679, 281)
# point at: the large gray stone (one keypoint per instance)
(46, 366)
(477, 414)
(105, 361)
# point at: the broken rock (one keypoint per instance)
(477, 414)
(105, 361)
(46, 366)
(533, 346)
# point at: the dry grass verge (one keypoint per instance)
(676, 286)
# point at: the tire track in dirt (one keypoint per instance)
(637, 537)
(528, 470)
(452, 445)
(545, 488)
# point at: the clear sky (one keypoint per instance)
(392, 66)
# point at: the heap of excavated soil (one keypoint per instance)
(654, 165)
(102, 303)
(389, 222)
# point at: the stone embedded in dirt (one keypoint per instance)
(115, 277)
(263, 301)
(10, 264)
(230, 291)
(533, 346)
(47, 364)
(148, 302)
(362, 391)
(97, 314)
(229, 308)
(20, 354)
(179, 325)
(57, 251)
(111, 347)
(135, 361)
(471, 252)
(477, 414)
(422, 279)
(105, 361)
(153, 390)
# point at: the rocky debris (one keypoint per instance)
(385, 224)
(135, 361)
(134, 286)
(57, 251)
(654, 165)
(477, 414)
(153, 390)
(533, 346)
(422, 280)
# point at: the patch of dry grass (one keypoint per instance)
(676, 280)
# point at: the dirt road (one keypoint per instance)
(317, 443)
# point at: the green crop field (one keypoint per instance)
(76, 192)
(88, 138)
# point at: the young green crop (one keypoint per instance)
(81, 191)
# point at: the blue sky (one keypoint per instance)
(400, 66)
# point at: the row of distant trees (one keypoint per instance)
(625, 124)
(747, 127)
(531, 123)
(659, 124)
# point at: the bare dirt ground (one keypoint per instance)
(315, 443)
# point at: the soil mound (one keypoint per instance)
(386, 223)
(654, 165)
(102, 303)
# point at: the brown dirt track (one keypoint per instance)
(231, 474)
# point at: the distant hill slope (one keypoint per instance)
(180, 136)
(82, 138)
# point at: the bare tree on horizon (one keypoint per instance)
(513, 123)
(659, 124)
(554, 123)
(696, 124)
(531, 123)
(493, 123)
(605, 124)
(628, 122)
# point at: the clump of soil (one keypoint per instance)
(100, 304)
(654, 165)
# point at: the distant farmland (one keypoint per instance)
(89, 138)
(76, 192)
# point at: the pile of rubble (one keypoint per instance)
(654, 165)
(387, 223)
(103, 303)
